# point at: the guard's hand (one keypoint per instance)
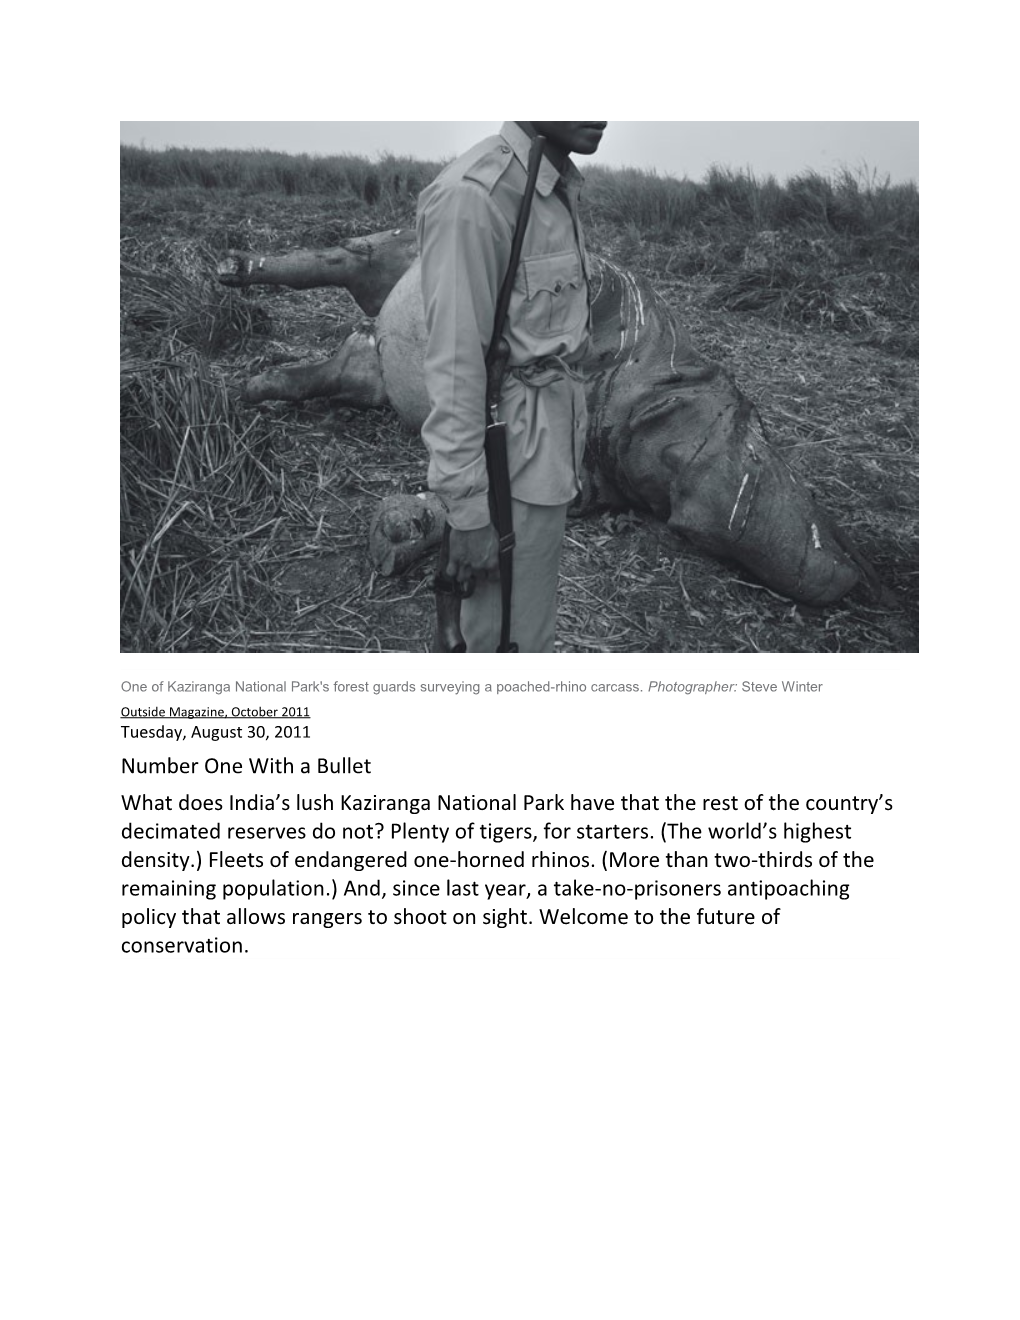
(473, 554)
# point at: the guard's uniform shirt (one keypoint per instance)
(466, 221)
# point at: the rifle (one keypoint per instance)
(448, 591)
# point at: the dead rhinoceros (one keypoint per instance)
(668, 431)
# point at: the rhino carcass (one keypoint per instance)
(668, 431)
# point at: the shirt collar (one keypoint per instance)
(548, 175)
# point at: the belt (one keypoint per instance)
(544, 371)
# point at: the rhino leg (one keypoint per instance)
(735, 497)
(404, 528)
(367, 267)
(351, 377)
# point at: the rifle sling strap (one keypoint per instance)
(495, 432)
(501, 512)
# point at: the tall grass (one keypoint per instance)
(384, 180)
(880, 218)
(643, 198)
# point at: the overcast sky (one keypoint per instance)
(680, 148)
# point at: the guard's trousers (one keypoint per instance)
(539, 530)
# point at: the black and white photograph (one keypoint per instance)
(584, 387)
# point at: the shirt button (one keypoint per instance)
(505, 150)
(558, 286)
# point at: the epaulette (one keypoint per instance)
(489, 168)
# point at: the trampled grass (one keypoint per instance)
(168, 299)
(198, 503)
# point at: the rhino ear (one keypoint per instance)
(672, 456)
(675, 458)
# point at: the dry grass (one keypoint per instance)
(168, 301)
(794, 277)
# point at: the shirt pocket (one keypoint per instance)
(554, 294)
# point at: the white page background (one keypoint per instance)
(803, 1122)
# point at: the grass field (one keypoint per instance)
(244, 527)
